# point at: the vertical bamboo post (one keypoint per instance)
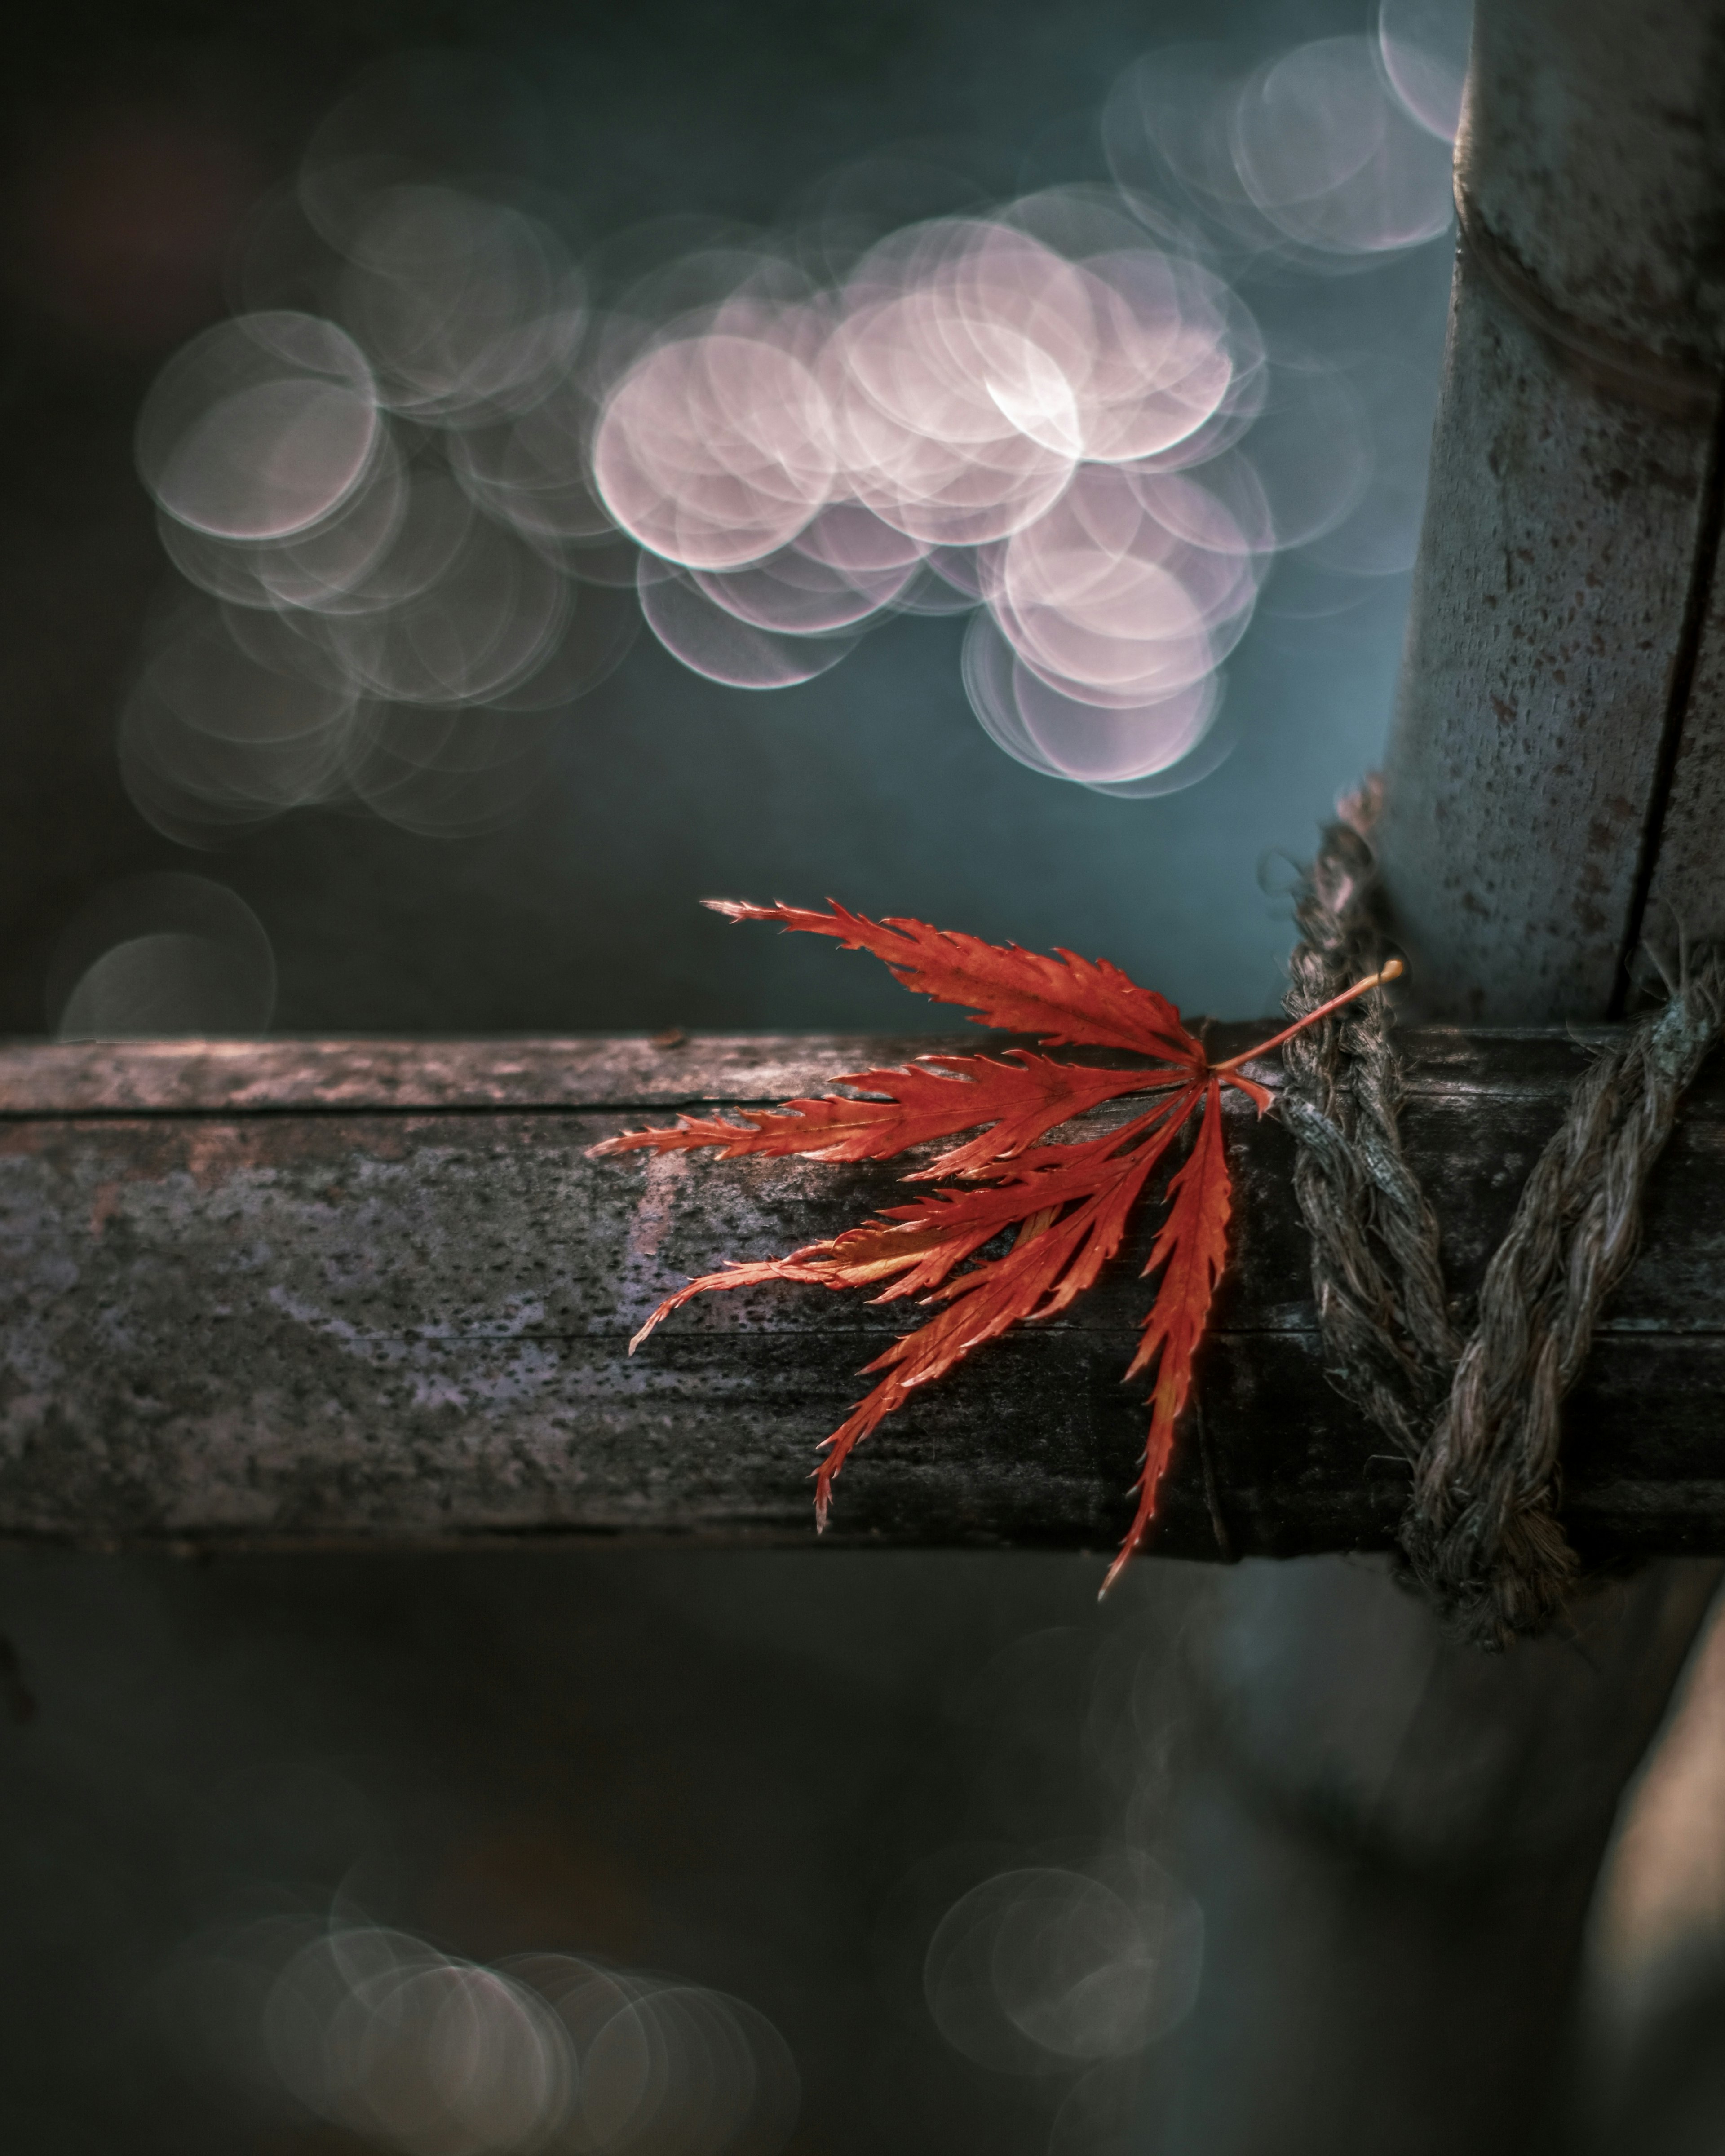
(1397, 1843)
(1554, 780)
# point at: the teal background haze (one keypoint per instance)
(873, 783)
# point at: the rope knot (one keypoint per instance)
(1479, 1420)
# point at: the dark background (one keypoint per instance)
(770, 1773)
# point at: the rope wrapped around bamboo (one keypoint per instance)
(1479, 1419)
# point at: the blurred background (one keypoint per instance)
(155, 191)
(414, 605)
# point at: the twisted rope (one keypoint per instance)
(1381, 1302)
(1478, 1421)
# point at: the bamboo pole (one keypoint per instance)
(1554, 788)
(376, 1292)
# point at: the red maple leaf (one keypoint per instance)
(1069, 1203)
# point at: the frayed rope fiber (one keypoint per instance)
(1478, 1420)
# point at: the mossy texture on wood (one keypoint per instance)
(304, 1291)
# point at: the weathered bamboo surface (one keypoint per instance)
(1553, 779)
(295, 1292)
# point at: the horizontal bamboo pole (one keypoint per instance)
(300, 1292)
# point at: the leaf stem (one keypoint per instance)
(1392, 972)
